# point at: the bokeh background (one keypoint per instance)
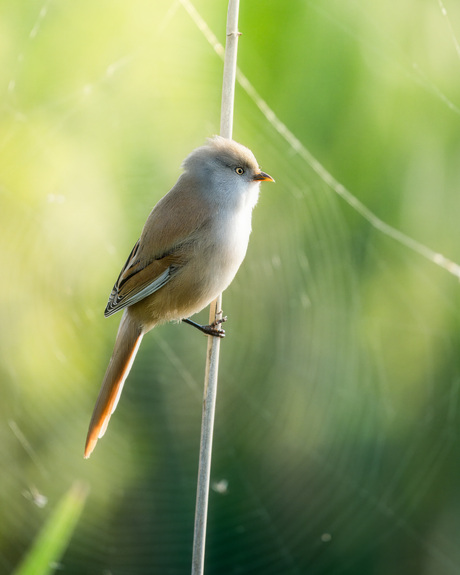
(337, 447)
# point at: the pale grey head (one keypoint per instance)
(226, 167)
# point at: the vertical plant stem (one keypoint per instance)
(215, 313)
(228, 84)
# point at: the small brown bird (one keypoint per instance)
(189, 251)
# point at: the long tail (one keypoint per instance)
(128, 340)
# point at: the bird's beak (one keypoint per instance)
(263, 177)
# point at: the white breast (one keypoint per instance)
(232, 242)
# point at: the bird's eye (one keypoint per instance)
(239, 171)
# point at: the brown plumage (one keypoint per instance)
(190, 249)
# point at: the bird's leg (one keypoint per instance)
(213, 329)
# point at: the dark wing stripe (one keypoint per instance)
(121, 283)
(128, 262)
(123, 295)
(134, 295)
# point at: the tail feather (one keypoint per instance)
(128, 340)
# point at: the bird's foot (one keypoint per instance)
(213, 328)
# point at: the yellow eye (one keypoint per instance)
(239, 171)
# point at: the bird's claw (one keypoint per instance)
(215, 329)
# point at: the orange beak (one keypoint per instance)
(263, 177)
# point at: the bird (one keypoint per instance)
(190, 248)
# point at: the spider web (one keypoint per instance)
(336, 433)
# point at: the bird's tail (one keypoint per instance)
(129, 337)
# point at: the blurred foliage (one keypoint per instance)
(56, 534)
(337, 427)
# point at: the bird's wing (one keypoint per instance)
(170, 231)
(140, 278)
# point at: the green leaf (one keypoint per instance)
(53, 539)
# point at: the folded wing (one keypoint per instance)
(140, 278)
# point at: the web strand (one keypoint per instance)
(388, 230)
(451, 30)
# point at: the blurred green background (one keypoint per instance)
(337, 441)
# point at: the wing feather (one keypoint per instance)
(164, 246)
(138, 281)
